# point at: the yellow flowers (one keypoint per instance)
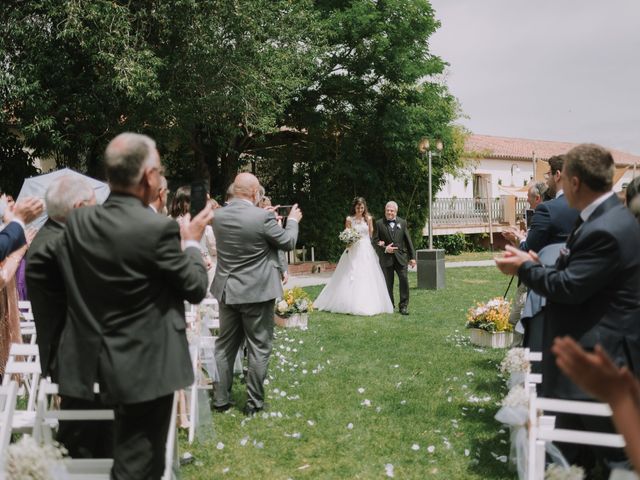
(492, 316)
(295, 300)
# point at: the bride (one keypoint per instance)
(357, 285)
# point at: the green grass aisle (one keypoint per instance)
(358, 397)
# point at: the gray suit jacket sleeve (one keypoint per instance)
(278, 237)
(185, 271)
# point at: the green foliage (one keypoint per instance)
(324, 99)
(16, 164)
(453, 244)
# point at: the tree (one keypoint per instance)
(326, 99)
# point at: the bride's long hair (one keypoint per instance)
(359, 201)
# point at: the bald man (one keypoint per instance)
(246, 283)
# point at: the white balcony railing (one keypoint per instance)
(466, 211)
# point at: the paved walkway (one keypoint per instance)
(323, 277)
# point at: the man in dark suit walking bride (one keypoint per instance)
(395, 249)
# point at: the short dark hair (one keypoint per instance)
(555, 163)
(592, 164)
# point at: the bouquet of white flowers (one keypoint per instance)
(558, 472)
(349, 236)
(27, 459)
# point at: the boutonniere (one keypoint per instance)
(398, 225)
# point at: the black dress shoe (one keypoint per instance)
(404, 311)
(250, 410)
(222, 408)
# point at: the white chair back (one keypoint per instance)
(8, 395)
(47, 419)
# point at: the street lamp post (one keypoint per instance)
(430, 262)
(424, 148)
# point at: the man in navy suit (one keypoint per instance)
(593, 292)
(12, 236)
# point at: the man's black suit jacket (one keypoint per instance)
(399, 236)
(593, 293)
(126, 280)
(552, 222)
(47, 294)
(11, 238)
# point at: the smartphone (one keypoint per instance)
(283, 210)
(198, 197)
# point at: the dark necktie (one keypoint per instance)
(576, 227)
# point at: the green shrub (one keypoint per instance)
(453, 244)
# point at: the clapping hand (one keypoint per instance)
(193, 228)
(594, 372)
(295, 213)
(512, 259)
(28, 210)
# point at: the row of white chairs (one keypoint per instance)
(542, 429)
(41, 416)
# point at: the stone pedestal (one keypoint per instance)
(430, 269)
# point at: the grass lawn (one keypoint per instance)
(471, 256)
(353, 396)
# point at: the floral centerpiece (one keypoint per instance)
(293, 309)
(349, 236)
(492, 317)
(558, 472)
(27, 459)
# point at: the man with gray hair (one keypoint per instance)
(159, 205)
(395, 249)
(81, 439)
(63, 195)
(126, 279)
(593, 291)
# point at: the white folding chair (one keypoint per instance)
(542, 429)
(24, 306)
(532, 379)
(47, 419)
(171, 451)
(23, 364)
(8, 395)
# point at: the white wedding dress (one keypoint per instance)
(357, 286)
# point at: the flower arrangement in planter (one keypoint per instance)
(293, 309)
(27, 459)
(489, 323)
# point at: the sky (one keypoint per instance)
(565, 70)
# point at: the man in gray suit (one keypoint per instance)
(246, 284)
(126, 278)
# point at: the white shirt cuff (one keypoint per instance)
(191, 243)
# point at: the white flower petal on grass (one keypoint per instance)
(502, 458)
(283, 394)
(366, 402)
(220, 446)
(415, 447)
(244, 441)
(296, 435)
(361, 390)
(311, 423)
(403, 402)
(225, 470)
(431, 449)
(467, 452)
(350, 426)
(388, 469)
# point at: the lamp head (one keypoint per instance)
(423, 145)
